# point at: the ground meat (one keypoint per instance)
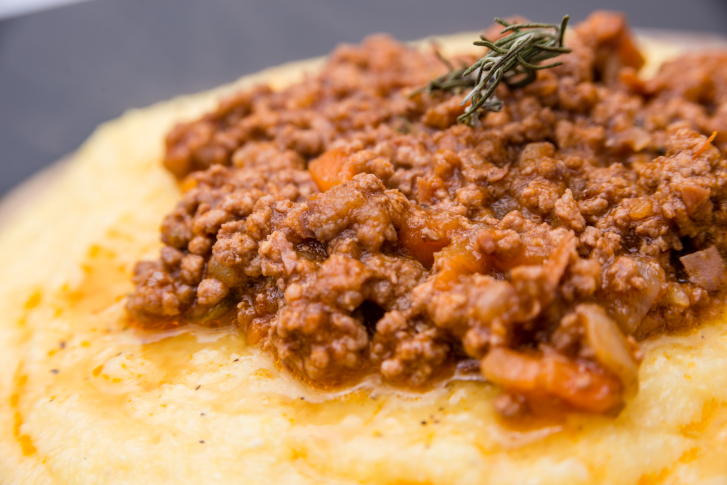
(350, 228)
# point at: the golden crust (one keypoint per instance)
(87, 400)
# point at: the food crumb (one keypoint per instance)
(54, 371)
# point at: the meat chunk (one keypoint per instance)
(705, 268)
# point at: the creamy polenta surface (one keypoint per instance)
(85, 398)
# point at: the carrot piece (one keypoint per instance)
(331, 169)
(539, 377)
(629, 53)
(424, 234)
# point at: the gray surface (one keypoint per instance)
(64, 71)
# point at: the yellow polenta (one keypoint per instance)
(85, 400)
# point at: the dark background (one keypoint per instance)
(64, 71)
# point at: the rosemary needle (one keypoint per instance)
(512, 59)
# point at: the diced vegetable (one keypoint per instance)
(330, 169)
(609, 344)
(424, 234)
(536, 377)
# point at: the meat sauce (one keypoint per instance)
(350, 229)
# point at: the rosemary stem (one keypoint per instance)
(512, 59)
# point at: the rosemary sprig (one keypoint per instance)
(512, 59)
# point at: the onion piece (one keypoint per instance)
(609, 344)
